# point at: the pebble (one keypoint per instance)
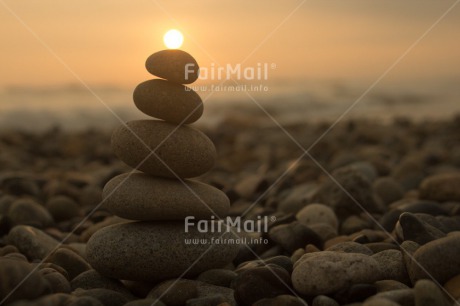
(414, 229)
(353, 224)
(20, 185)
(350, 247)
(145, 302)
(379, 302)
(293, 236)
(258, 283)
(58, 283)
(85, 301)
(388, 189)
(160, 253)
(251, 186)
(392, 265)
(427, 293)
(285, 300)
(377, 247)
(317, 214)
(46, 265)
(73, 263)
(92, 279)
(280, 261)
(15, 271)
(168, 101)
(357, 185)
(90, 195)
(32, 242)
(5, 203)
(50, 299)
(424, 206)
(323, 300)
(324, 231)
(441, 187)
(28, 212)
(403, 297)
(7, 249)
(208, 301)
(105, 296)
(217, 277)
(172, 66)
(298, 197)
(389, 285)
(203, 290)
(186, 151)
(174, 293)
(139, 196)
(328, 272)
(297, 255)
(63, 208)
(355, 293)
(86, 234)
(389, 219)
(452, 286)
(439, 258)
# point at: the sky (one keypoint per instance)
(99, 42)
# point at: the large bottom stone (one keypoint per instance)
(153, 251)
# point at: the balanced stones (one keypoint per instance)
(156, 245)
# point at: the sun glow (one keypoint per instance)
(173, 39)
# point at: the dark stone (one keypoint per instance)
(358, 189)
(293, 236)
(105, 296)
(355, 293)
(218, 277)
(416, 230)
(210, 300)
(15, 273)
(262, 282)
(73, 263)
(285, 300)
(174, 292)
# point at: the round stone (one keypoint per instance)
(173, 65)
(20, 281)
(73, 263)
(28, 212)
(171, 102)
(441, 187)
(317, 213)
(437, 259)
(327, 272)
(177, 151)
(258, 283)
(63, 208)
(139, 196)
(153, 251)
(32, 242)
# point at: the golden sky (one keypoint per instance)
(107, 42)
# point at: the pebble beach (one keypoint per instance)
(370, 215)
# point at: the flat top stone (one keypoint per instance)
(138, 196)
(173, 65)
(178, 150)
(153, 251)
(171, 102)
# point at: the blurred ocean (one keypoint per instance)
(74, 107)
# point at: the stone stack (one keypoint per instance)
(156, 245)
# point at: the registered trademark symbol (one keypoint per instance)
(273, 66)
(273, 218)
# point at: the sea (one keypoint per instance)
(82, 107)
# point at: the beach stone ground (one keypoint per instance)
(399, 246)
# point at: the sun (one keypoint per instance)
(173, 39)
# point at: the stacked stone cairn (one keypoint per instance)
(157, 244)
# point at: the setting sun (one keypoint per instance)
(173, 39)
